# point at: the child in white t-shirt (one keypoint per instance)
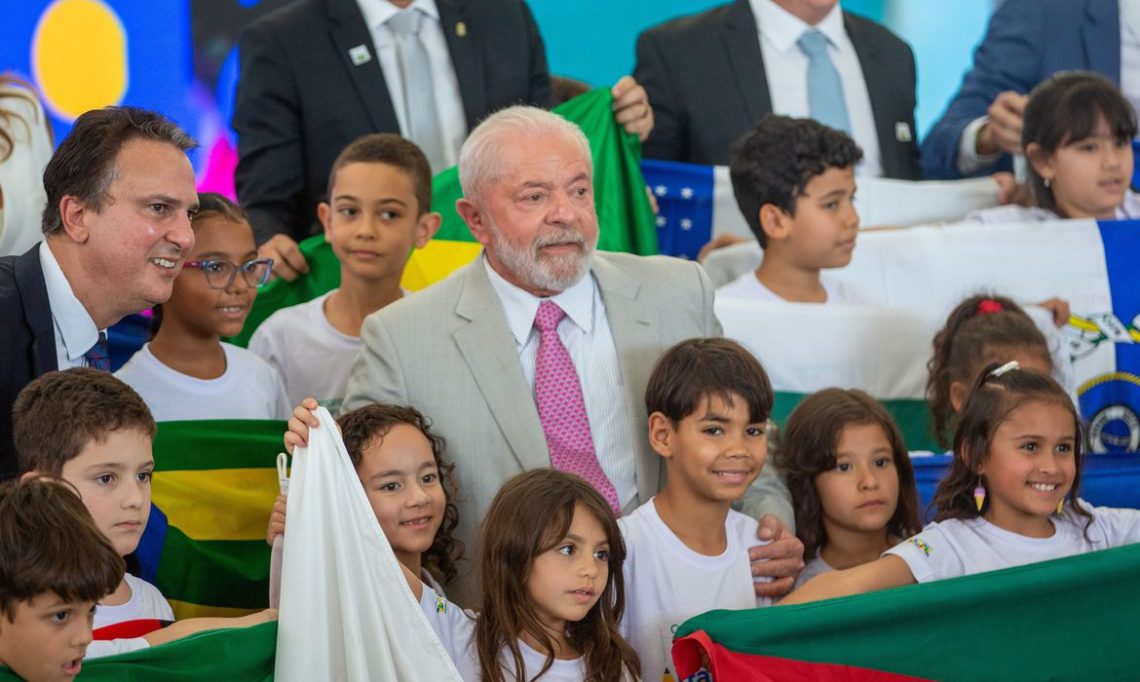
(794, 181)
(186, 371)
(851, 480)
(1009, 498)
(93, 431)
(708, 402)
(379, 209)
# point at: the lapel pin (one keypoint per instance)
(461, 29)
(902, 132)
(360, 55)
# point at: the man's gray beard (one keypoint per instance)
(552, 273)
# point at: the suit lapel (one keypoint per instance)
(637, 340)
(1101, 37)
(879, 90)
(465, 58)
(742, 43)
(37, 310)
(488, 349)
(349, 33)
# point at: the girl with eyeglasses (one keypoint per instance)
(186, 371)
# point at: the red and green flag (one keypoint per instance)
(1069, 619)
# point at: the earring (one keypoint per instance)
(1047, 182)
(980, 496)
(1060, 506)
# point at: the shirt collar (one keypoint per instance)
(77, 330)
(783, 28)
(521, 306)
(377, 12)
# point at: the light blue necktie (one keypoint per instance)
(420, 110)
(825, 89)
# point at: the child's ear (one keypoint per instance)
(661, 433)
(967, 457)
(324, 214)
(774, 222)
(1041, 162)
(426, 227)
(958, 395)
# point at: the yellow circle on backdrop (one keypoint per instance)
(79, 56)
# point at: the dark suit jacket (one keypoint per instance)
(705, 78)
(1026, 42)
(300, 99)
(27, 340)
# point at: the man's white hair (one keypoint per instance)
(479, 163)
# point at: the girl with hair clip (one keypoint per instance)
(1077, 135)
(550, 563)
(186, 371)
(1010, 497)
(851, 480)
(983, 328)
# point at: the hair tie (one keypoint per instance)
(989, 305)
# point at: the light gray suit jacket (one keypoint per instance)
(447, 351)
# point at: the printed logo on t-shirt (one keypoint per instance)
(440, 605)
(926, 549)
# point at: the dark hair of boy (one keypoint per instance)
(394, 151)
(980, 329)
(1068, 107)
(50, 545)
(808, 448)
(774, 162)
(696, 370)
(370, 424)
(84, 165)
(59, 413)
(992, 400)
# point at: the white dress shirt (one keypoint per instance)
(786, 66)
(586, 334)
(969, 160)
(449, 103)
(75, 331)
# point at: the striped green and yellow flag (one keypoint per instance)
(1068, 619)
(213, 489)
(625, 218)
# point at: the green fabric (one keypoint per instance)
(246, 654)
(625, 217)
(1068, 619)
(912, 416)
(232, 573)
(225, 573)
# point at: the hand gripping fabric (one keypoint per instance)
(346, 610)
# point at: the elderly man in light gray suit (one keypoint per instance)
(463, 351)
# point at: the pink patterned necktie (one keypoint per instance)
(561, 408)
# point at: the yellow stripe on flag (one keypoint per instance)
(436, 260)
(185, 609)
(217, 504)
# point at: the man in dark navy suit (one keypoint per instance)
(120, 192)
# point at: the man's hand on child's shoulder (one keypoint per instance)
(781, 559)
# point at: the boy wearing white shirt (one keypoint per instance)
(794, 181)
(687, 551)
